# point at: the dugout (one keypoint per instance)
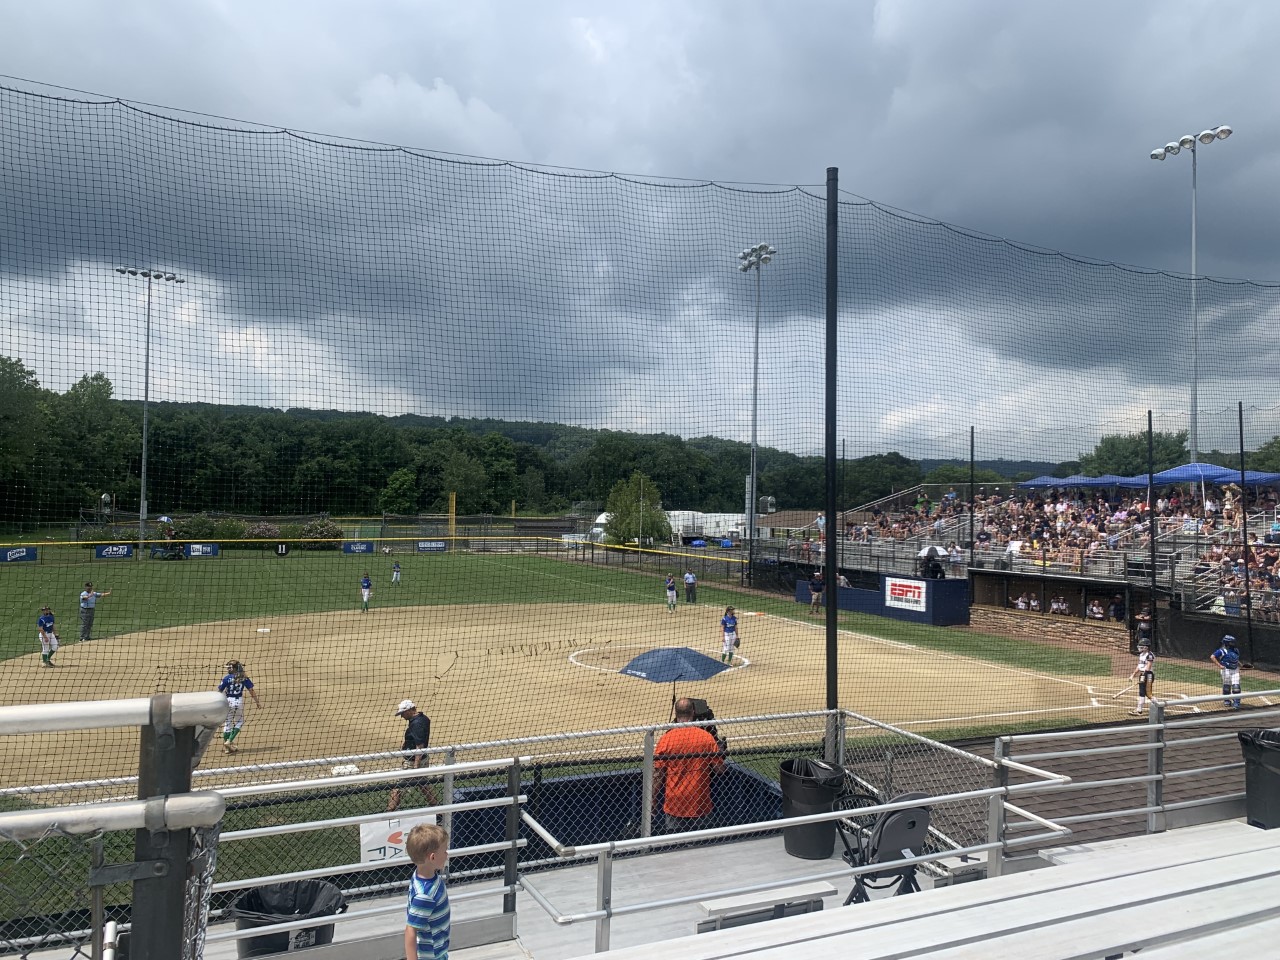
(999, 588)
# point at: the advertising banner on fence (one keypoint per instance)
(113, 551)
(432, 546)
(358, 546)
(17, 554)
(384, 839)
(201, 549)
(905, 594)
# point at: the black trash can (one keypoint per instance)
(282, 902)
(809, 786)
(1261, 749)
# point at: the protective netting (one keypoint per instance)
(349, 359)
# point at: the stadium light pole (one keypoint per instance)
(754, 258)
(1172, 149)
(149, 276)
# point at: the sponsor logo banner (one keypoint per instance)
(905, 594)
(17, 554)
(113, 551)
(358, 546)
(432, 546)
(201, 549)
(384, 839)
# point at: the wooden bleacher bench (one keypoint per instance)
(787, 901)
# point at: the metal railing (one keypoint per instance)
(1156, 744)
(869, 762)
(53, 860)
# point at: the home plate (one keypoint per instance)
(264, 629)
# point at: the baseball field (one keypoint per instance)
(490, 646)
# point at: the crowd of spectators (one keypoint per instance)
(1063, 527)
(1242, 579)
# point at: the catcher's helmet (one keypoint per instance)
(235, 666)
(1229, 640)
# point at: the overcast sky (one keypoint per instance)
(1022, 120)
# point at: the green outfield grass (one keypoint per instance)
(150, 594)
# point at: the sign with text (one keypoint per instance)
(17, 554)
(201, 549)
(432, 546)
(384, 839)
(113, 551)
(358, 546)
(905, 594)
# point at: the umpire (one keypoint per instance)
(417, 736)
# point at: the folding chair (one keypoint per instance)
(890, 837)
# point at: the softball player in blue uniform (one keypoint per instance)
(671, 593)
(47, 637)
(729, 629)
(366, 591)
(1227, 659)
(235, 685)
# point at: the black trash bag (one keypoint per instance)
(1261, 750)
(809, 786)
(280, 902)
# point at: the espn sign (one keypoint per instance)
(904, 594)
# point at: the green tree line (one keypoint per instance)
(59, 452)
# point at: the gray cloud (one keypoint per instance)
(406, 279)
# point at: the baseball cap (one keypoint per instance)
(404, 705)
(46, 607)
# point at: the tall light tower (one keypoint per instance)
(149, 276)
(754, 258)
(1171, 149)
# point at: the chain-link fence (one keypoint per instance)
(580, 788)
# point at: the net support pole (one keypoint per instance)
(164, 769)
(829, 452)
(1245, 550)
(1152, 527)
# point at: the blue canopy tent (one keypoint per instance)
(1258, 478)
(1195, 473)
(1040, 482)
(1111, 480)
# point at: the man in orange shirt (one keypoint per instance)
(685, 760)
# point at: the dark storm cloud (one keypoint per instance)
(1021, 121)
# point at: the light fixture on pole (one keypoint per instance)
(149, 276)
(1172, 149)
(754, 258)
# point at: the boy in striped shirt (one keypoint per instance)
(426, 932)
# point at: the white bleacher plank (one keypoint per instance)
(1125, 929)
(761, 899)
(1237, 941)
(968, 914)
(1226, 836)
